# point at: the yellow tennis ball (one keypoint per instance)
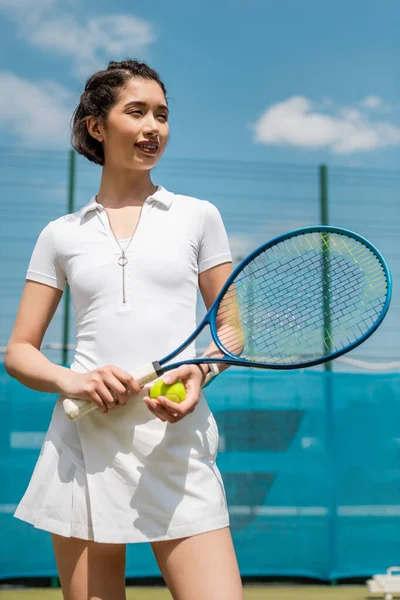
(175, 392)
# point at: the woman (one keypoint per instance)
(137, 469)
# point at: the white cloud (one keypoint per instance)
(92, 44)
(371, 102)
(89, 43)
(296, 122)
(38, 114)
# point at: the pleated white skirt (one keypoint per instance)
(127, 477)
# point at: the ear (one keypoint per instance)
(95, 128)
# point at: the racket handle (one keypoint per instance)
(75, 409)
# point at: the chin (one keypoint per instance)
(142, 167)
(144, 164)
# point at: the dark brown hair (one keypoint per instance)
(99, 96)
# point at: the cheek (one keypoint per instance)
(122, 129)
(115, 148)
(165, 136)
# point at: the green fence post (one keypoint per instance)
(324, 209)
(328, 391)
(323, 187)
(71, 198)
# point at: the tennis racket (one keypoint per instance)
(300, 300)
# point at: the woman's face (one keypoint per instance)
(136, 129)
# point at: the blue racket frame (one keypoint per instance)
(231, 359)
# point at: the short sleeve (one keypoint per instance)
(43, 266)
(214, 244)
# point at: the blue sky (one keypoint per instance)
(289, 80)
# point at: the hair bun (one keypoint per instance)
(113, 65)
(127, 64)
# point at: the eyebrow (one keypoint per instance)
(140, 103)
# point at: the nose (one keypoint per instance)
(151, 126)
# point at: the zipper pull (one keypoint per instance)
(122, 261)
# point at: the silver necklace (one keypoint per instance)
(123, 259)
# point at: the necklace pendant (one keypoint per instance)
(122, 261)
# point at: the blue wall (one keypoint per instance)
(311, 464)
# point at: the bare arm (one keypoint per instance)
(24, 360)
(228, 324)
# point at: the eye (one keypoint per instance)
(163, 117)
(135, 112)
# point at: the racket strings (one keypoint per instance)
(304, 298)
(341, 315)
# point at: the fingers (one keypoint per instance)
(107, 396)
(127, 380)
(182, 373)
(166, 410)
(97, 399)
(170, 411)
(156, 407)
(109, 387)
(117, 389)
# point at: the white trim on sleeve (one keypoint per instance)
(46, 279)
(213, 262)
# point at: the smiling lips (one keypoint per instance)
(148, 147)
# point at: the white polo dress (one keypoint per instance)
(126, 476)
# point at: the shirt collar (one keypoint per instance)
(161, 196)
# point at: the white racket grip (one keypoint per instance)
(75, 409)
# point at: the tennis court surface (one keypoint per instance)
(252, 592)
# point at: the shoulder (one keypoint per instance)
(62, 224)
(58, 233)
(201, 215)
(194, 206)
(72, 220)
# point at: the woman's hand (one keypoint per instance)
(107, 387)
(166, 410)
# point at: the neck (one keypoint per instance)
(122, 188)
